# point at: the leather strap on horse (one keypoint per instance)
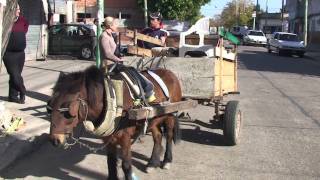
(114, 105)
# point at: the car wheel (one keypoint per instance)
(86, 52)
(269, 50)
(279, 52)
(301, 55)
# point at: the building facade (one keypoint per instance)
(272, 22)
(296, 10)
(36, 13)
(43, 13)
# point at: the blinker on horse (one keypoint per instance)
(80, 97)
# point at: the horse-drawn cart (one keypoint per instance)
(204, 81)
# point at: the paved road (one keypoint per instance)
(280, 136)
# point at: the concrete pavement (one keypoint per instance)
(39, 78)
(279, 140)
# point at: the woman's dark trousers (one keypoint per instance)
(14, 62)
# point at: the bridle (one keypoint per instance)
(84, 104)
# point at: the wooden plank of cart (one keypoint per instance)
(204, 81)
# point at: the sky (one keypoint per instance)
(215, 7)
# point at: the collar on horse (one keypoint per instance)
(114, 106)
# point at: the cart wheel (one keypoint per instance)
(232, 121)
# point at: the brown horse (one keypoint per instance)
(79, 96)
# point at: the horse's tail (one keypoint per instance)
(176, 131)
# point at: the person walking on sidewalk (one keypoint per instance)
(14, 58)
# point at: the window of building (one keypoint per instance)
(125, 16)
(83, 15)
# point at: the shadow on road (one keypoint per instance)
(196, 135)
(4, 98)
(38, 96)
(54, 162)
(264, 61)
(57, 163)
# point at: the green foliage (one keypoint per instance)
(185, 10)
(229, 16)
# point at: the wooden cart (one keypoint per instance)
(204, 81)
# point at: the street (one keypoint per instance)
(280, 101)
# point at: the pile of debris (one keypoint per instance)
(9, 122)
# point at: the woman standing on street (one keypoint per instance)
(14, 58)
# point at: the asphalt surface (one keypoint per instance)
(280, 137)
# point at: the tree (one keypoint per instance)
(184, 10)
(245, 10)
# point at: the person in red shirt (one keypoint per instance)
(14, 58)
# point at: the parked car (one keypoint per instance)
(254, 37)
(72, 39)
(239, 31)
(282, 42)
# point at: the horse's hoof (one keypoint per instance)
(150, 169)
(167, 166)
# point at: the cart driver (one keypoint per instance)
(154, 31)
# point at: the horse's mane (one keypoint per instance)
(72, 82)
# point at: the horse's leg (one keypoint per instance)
(126, 156)
(112, 162)
(154, 160)
(169, 123)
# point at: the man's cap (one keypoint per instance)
(156, 15)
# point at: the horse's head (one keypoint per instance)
(66, 108)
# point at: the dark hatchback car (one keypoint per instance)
(72, 39)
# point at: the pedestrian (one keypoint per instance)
(108, 48)
(154, 31)
(95, 26)
(14, 58)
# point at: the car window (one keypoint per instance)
(288, 37)
(56, 29)
(276, 36)
(83, 31)
(255, 33)
(70, 31)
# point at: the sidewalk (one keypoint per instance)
(39, 78)
(313, 51)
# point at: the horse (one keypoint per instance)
(79, 96)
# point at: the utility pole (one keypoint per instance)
(254, 15)
(100, 16)
(282, 11)
(54, 6)
(237, 12)
(306, 23)
(146, 13)
(2, 4)
(85, 11)
(266, 18)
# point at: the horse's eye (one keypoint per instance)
(67, 115)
